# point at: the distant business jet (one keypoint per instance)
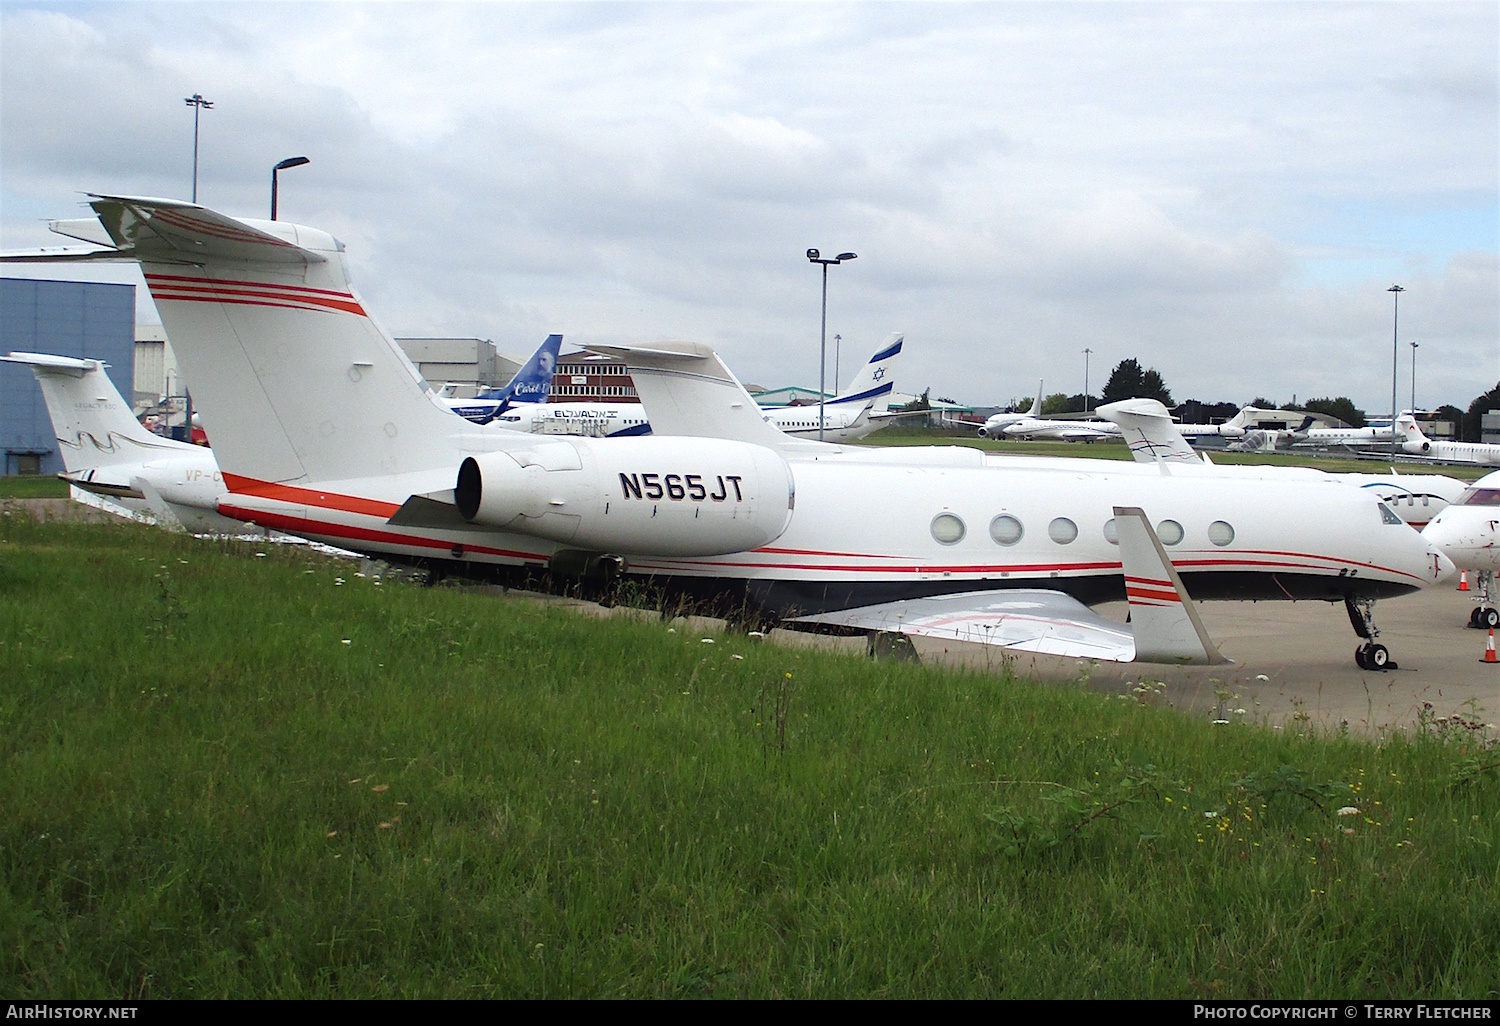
(1418, 444)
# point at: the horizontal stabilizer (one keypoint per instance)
(175, 232)
(47, 363)
(687, 390)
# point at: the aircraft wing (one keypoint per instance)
(1046, 622)
(1165, 627)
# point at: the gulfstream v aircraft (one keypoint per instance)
(107, 453)
(342, 443)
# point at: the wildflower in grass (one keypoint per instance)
(348, 641)
(707, 641)
(331, 833)
(757, 634)
(385, 826)
(1210, 815)
(381, 788)
(1348, 810)
(736, 655)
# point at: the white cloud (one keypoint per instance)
(1221, 190)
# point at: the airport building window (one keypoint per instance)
(1111, 531)
(1062, 530)
(1169, 531)
(948, 529)
(1006, 529)
(1220, 533)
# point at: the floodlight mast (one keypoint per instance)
(197, 102)
(814, 257)
(1395, 291)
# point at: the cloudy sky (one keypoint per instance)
(1224, 191)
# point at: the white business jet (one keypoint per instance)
(1062, 430)
(323, 429)
(995, 426)
(107, 454)
(1154, 438)
(1469, 532)
(1415, 442)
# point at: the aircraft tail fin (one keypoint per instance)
(533, 382)
(1036, 404)
(94, 425)
(687, 390)
(295, 380)
(875, 380)
(1148, 429)
(1163, 618)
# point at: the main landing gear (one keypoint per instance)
(1484, 616)
(1370, 655)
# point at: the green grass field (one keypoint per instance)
(32, 486)
(245, 771)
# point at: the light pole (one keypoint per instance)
(197, 102)
(280, 167)
(813, 257)
(1395, 291)
(1086, 353)
(1413, 379)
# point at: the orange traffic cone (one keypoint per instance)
(1489, 648)
(1463, 580)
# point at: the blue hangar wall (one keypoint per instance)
(64, 318)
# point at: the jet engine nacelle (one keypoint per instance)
(638, 496)
(1417, 448)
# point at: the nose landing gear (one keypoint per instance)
(1484, 615)
(1370, 655)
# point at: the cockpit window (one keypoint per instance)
(1480, 497)
(1388, 517)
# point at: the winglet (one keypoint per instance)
(1163, 618)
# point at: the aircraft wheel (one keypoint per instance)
(1474, 615)
(1489, 618)
(1379, 658)
(1359, 657)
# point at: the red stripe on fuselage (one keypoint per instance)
(309, 497)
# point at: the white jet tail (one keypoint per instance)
(93, 424)
(1147, 426)
(297, 383)
(876, 379)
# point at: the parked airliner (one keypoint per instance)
(995, 426)
(353, 450)
(862, 409)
